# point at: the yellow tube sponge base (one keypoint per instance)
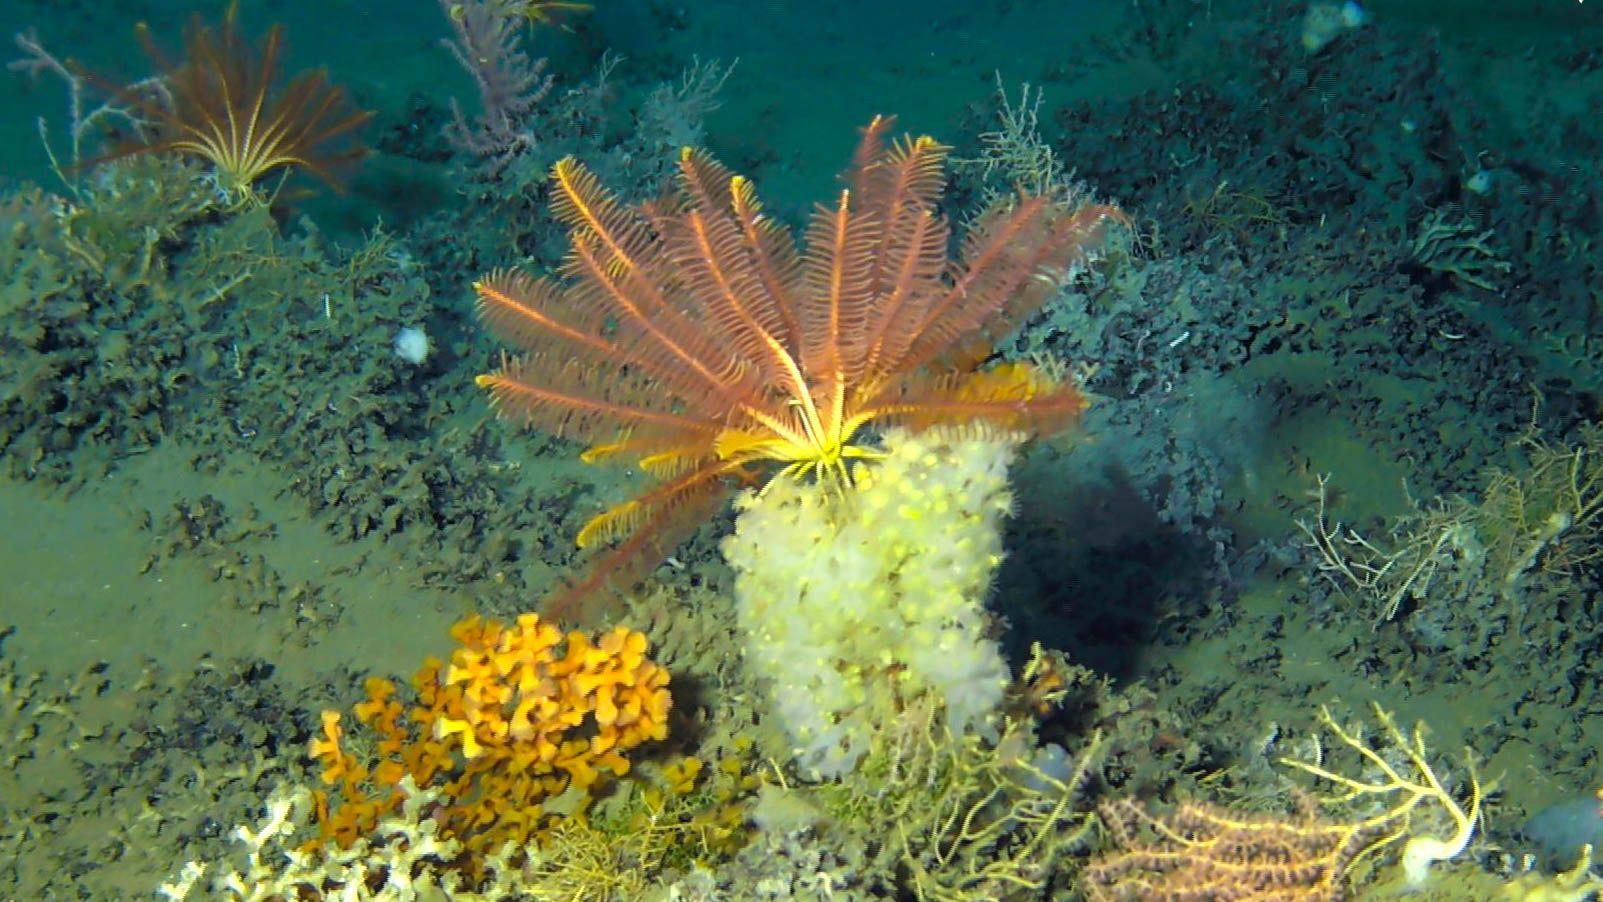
(852, 603)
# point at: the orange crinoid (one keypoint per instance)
(223, 104)
(693, 336)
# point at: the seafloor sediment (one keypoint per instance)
(1341, 451)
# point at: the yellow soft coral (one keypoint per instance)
(519, 715)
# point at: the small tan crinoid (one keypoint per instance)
(222, 103)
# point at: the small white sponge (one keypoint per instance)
(852, 604)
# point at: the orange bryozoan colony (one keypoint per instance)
(694, 337)
(519, 716)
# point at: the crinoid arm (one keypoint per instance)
(694, 337)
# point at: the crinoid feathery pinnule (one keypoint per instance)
(222, 103)
(692, 336)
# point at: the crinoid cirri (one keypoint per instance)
(223, 103)
(692, 336)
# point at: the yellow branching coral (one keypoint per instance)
(520, 715)
(1390, 794)
(1404, 790)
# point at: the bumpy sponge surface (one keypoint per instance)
(851, 603)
